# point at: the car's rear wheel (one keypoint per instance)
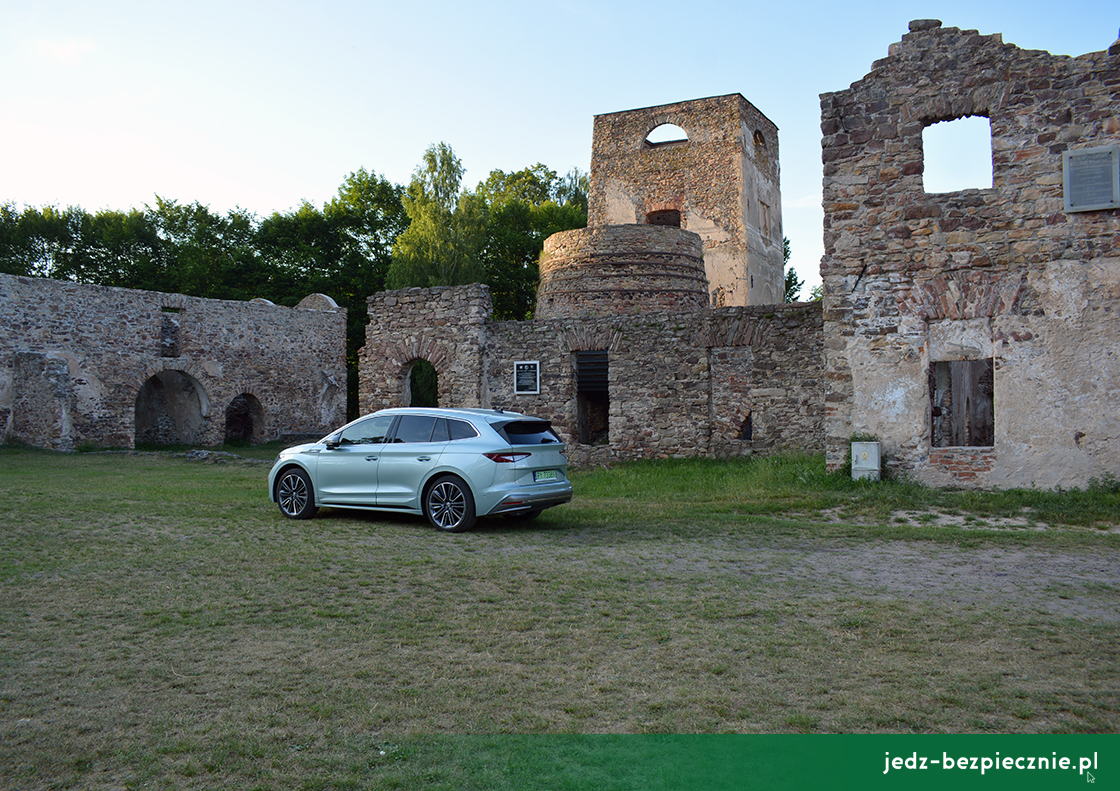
(295, 495)
(449, 505)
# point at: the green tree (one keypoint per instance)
(39, 242)
(525, 208)
(793, 284)
(205, 254)
(446, 228)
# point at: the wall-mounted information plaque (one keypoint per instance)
(1091, 178)
(526, 377)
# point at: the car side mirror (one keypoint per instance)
(332, 443)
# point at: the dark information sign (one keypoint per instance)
(526, 377)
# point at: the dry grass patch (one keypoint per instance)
(162, 624)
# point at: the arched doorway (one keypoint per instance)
(170, 410)
(243, 416)
(422, 384)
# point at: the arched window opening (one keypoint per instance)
(759, 138)
(670, 217)
(243, 416)
(666, 134)
(423, 384)
(170, 410)
(957, 155)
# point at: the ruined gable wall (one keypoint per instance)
(74, 357)
(913, 278)
(724, 180)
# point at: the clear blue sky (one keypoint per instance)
(263, 105)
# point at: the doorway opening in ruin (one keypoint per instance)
(962, 411)
(666, 134)
(171, 409)
(243, 415)
(592, 398)
(746, 428)
(422, 384)
(670, 217)
(957, 155)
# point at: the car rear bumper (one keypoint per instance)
(521, 501)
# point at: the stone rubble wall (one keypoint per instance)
(680, 383)
(914, 278)
(75, 358)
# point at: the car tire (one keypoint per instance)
(295, 495)
(449, 505)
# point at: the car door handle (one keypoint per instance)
(423, 458)
(371, 458)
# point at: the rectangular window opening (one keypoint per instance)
(957, 155)
(962, 411)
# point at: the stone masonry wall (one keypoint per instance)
(444, 325)
(913, 279)
(680, 383)
(611, 269)
(724, 180)
(77, 360)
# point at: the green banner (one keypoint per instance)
(726, 762)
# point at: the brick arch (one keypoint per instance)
(245, 417)
(962, 295)
(182, 366)
(734, 329)
(171, 410)
(581, 339)
(401, 355)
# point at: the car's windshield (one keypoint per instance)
(368, 432)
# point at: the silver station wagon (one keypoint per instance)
(450, 465)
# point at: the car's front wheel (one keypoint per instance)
(295, 495)
(449, 505)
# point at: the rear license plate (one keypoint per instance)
(544, 475)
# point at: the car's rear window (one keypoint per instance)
(461, 429)
(528, 432)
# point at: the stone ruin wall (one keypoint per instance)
(724, 180)
(914, 279)
(680, 384)
(79, 364)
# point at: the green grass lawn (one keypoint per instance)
(162, 625)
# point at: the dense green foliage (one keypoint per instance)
(493, 235)
(372, 235)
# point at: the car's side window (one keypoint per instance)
(368, 432)
(461, 429)
(415, 428)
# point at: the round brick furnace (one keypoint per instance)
(618, 269)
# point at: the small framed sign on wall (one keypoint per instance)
(526, 377)
(1091, 178)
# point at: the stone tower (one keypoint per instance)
(720, 181)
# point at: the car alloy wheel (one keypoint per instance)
(295, 495)
(449, 505)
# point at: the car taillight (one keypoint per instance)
(506, 458)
